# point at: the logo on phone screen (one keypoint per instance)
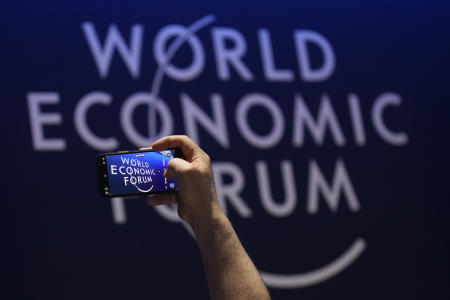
(139, 172)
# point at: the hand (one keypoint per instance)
(196, 198)
(230, 272)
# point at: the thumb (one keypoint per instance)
(175, 167)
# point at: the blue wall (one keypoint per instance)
(380, 233)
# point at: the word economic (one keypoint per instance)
(136, 170)
(212, 116)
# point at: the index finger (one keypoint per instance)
(189, 148)
(161, 199)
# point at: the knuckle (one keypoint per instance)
(194, 172)
(171, 168)
(205, 172)
(185, 171)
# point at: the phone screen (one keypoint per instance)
(139, 172)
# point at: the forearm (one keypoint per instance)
(230, 272)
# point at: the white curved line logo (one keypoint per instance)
(143, 191)
(273, 280)
(284, 281)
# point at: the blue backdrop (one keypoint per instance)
(327, 123)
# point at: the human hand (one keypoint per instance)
(230, 272)
(196, 198)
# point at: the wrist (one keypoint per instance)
(208, 220)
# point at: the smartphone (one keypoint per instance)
(135, 173)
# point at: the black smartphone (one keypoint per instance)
(135, 173)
